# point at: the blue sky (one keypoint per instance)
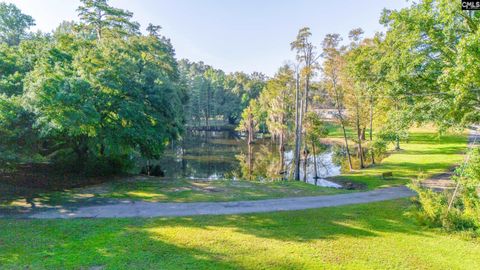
(234, 35)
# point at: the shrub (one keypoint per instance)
(453, 211)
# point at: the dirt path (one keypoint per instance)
(150, 209)
(444, 180)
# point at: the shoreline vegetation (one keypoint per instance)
(444, 152)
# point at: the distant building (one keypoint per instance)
(328, 114)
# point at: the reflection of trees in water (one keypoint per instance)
(223, 155)
(259, 162)
(264, 160)
(340, 157)
(201, 154)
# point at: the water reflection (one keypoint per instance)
(216, 155)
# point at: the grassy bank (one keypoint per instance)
(425, 154)
(370, 236)
(159, 190)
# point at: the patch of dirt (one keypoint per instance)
(348, 185)
(179, 189)
(440, 181)
(205, 187)
(240, 184)
(352, 186)
(46, 176)
(212, 189)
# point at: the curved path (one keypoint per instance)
(151, 209)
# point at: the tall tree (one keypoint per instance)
(298, 126)
(154, 30)
(307, 57)
(107, 101)
(13, 24)
(277, 100)
(333, 62)
(356, 91)
(99, 16)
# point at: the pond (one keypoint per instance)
(215, 155)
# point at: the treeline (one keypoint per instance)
(90, 97)
(217, 98)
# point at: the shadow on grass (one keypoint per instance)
(18, 201)
(451, 150)
(96, 244)
(202, 242)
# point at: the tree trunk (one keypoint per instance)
(281, 150)
(298, 136)
(342, 122)
(148, 167)
(250, 163)
(305, 163)
(359, 137)
(305, 150)
(207, 111)
(371, 130)
(102, 149)
(315, 176)
(304, 113)
(250, 129)
(397, 136)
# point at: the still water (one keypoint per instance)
(218, 155)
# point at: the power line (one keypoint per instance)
(418, 94)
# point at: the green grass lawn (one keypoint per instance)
(221, 190)
(425, 154)
(369, 236)
(161, 190)
(336, 131)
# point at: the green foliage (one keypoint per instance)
(90, 105)
(18, 137)
(13, 24)
(277, 102)
(379, 147)
(214, 95)
(430, 61)
(459, 211)
(113, 98)
(252, 116)
(11, 71)
(315, 128)
(99, 17)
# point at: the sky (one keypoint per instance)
(233, 35)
